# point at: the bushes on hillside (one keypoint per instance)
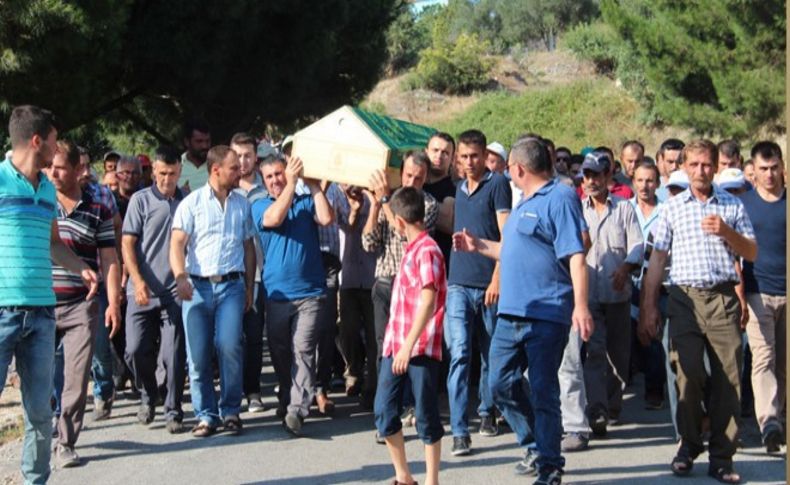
(457, 67)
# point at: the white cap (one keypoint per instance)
(679, 179)
(498, 148)
(731, 178)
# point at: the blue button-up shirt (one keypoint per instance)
(700, 260)
(216, 233)
(539, 237)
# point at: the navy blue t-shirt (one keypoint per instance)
(293, 267)
(477, 213)
(767, 273)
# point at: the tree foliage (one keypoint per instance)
(148, 65)
(717, 66)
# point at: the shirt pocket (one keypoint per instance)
(528, 224)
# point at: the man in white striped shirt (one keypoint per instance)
(214, 279)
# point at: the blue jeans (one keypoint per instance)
(30, 337)
(514, 341)
(423, 377)
(101, 365)
(213, 320)
(466, 315)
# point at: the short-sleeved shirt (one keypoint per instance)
(84, 230)
(477, 213)
(216, 233)
(615, 239)
(440, 190)
(646, 224)
(422, 266)
(26, 216)
(257, 192)
(358, 267)
(293, 268)
(149, 218)
(388, 244)
(767, 274)
(700, 260)
(196, 176)
(539, 237)
(104, 194)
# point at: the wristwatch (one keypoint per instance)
(384, 199)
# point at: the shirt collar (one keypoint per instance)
(159, 195)
(543, 190)
(8, 165)
(416, 241)
(588, 200)
(715, 195)
(486, 177)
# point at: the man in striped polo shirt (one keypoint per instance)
(86, 226)
(29, 238)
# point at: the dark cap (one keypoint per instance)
(111, 154)
(597, 162)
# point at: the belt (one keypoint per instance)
(219, 278)
(20, 308)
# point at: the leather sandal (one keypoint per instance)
(203, 430)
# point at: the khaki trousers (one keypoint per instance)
(76, 325)
(707, 320)
(766, 330)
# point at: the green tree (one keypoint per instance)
(100, 64)
(543, 20)
(716, 66)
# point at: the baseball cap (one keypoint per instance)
(597, 162)
(731, 178)
(144, 160)
(678, 179)
(498, 148)
(265, 150)
(111, 153)
(586, 150)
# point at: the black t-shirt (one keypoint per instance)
(441, 190)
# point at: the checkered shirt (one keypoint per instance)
(700, 260)
(389, 244)
(422, 266)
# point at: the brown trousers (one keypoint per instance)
(700, 320)
(76, 325)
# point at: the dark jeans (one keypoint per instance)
(325, 353)
(356, 316)
(381, 296)
(542, 343)
(153, 331)
(253, 323)
(423, 373)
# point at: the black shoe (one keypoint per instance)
(488, 426)
(529, 465)
(101, 409)
(772, 439)
(174, 426)
(461, 445)
(598, 424)
(145, 414)
(549, 477)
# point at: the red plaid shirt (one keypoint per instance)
(422, 265)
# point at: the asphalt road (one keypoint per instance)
(341, 450)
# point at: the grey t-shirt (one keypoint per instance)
(149, 217)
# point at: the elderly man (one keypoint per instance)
(706, 229)
(214, 279)
(616, 252)
(295, 285)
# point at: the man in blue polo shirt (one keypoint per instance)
(30, 237)
(296, 285)
(482, 204)
(541, 294)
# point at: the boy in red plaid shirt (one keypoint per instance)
(413, 340)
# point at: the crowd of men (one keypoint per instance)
(562, 274)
